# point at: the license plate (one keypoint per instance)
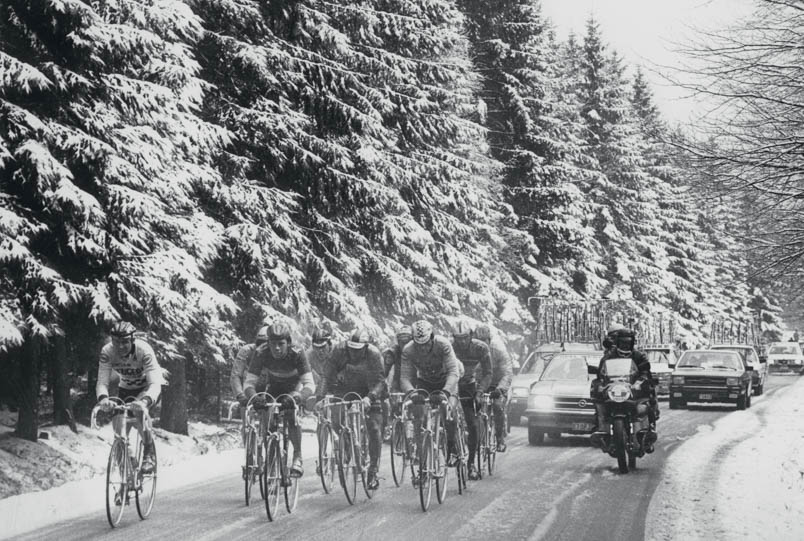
(705, 396)
(582, 427)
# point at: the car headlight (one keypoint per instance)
(732, 382)
(519, 391)
(678, 380)
(540, 402)
(619, 392)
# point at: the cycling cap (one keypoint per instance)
(322, 333)
(279, 331)
(463, 328)
(262, 335)
(360, 338)
(122, 329)
(483, 332)
(422, 332)
(404, 333)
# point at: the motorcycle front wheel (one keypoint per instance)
(621, 444)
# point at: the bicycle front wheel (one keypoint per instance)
(491, 445)
(440, 464)
(326, 458)
(399, 451)
(482, 444)
(271, 477)
(347, 469)
(364, 461)
(426, 472)
(290, 483)
(116, 483)
(146, 489)
(248, 472)
(460, 468)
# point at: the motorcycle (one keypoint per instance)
(629, 432)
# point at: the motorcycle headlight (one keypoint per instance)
(619, 392)
(519, 392)
(540, 402)
(678, 380)
(732, 382)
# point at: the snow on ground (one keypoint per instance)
(741, 478)
(64, 476)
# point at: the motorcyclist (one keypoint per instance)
(502, 373)
(619, 343)
(355, 366)
(475, 356)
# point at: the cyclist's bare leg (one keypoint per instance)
(374, 427)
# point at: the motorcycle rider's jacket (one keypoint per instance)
(360, 372)
(502, 368)
(434, 363)
(138, 370)
(292, 370)
(476, 359)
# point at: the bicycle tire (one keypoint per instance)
(491, 446)
(399, 451)
(426, 472)
(326, 459)
(116, 482)
(461, 447)
(290, 483)
(248, 477)
(146, 489)
(441, 470)
(346, 466)
(260, 466)
(271, 477)
(480, 450)
(365, 460)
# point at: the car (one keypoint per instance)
(662, 359)
(785, 357)
(713, 375)
(759, 364)
(529, 373)
(560, 401)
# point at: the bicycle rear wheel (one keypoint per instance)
(271, 477)
(116, 482)
(491, 446)
(146, 489)
(365, 460)
(290, 483)
(460, 467)
(426, 472)
(440, 464)
(326, 458)
(260, 466)
(399, 451)
(347, 469)
(248, 473)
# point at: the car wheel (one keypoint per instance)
(535, 436)
(742, 402)
(759, 389)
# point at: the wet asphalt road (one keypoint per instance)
(561, 490)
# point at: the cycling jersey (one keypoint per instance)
(290, 372)
(240, 368)
(431, 364)
(501, 365)
(475, 356)
(138, 370)
(360, 373)
(392, 358)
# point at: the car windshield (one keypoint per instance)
(714, 360)
(535, 363)
(658, 356)
(786, 349)
(566, 367)
(619, 367)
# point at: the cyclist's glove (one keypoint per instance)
(242, 400)
(258, 402)
(288, 402)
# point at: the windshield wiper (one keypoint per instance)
(690, 366)
(722, 367)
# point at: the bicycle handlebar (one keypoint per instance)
(119, 407)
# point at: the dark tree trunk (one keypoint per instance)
(28, 421)
(174, 398)
(61, 384)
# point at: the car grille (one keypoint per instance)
(701, 380)
(572, 403)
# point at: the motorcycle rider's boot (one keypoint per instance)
(598, 439)
(649, 440)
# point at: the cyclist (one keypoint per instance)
(321, 349)
(241, 364)
(356, 367)
(287, 371)
(502, 373)
(430, 360)
(392, 356)
(134, 362)
(474, 355)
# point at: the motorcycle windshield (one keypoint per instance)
(619, 368)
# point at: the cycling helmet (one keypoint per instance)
(483, 332)
(279, 331)
(123, 329)
(422, 332)
(404, 333)
(359, 339)
(322, 334)
(262, 335)
(462, 329)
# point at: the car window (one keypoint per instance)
(785, 349)
(566, 367)
(535, 363)
(710, 360)
(659, 356)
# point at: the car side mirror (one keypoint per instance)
(591, 369)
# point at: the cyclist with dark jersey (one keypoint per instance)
(502, 373)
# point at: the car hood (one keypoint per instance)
(569, 387)
(708, 373)
(660, 368)
(524, 380)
